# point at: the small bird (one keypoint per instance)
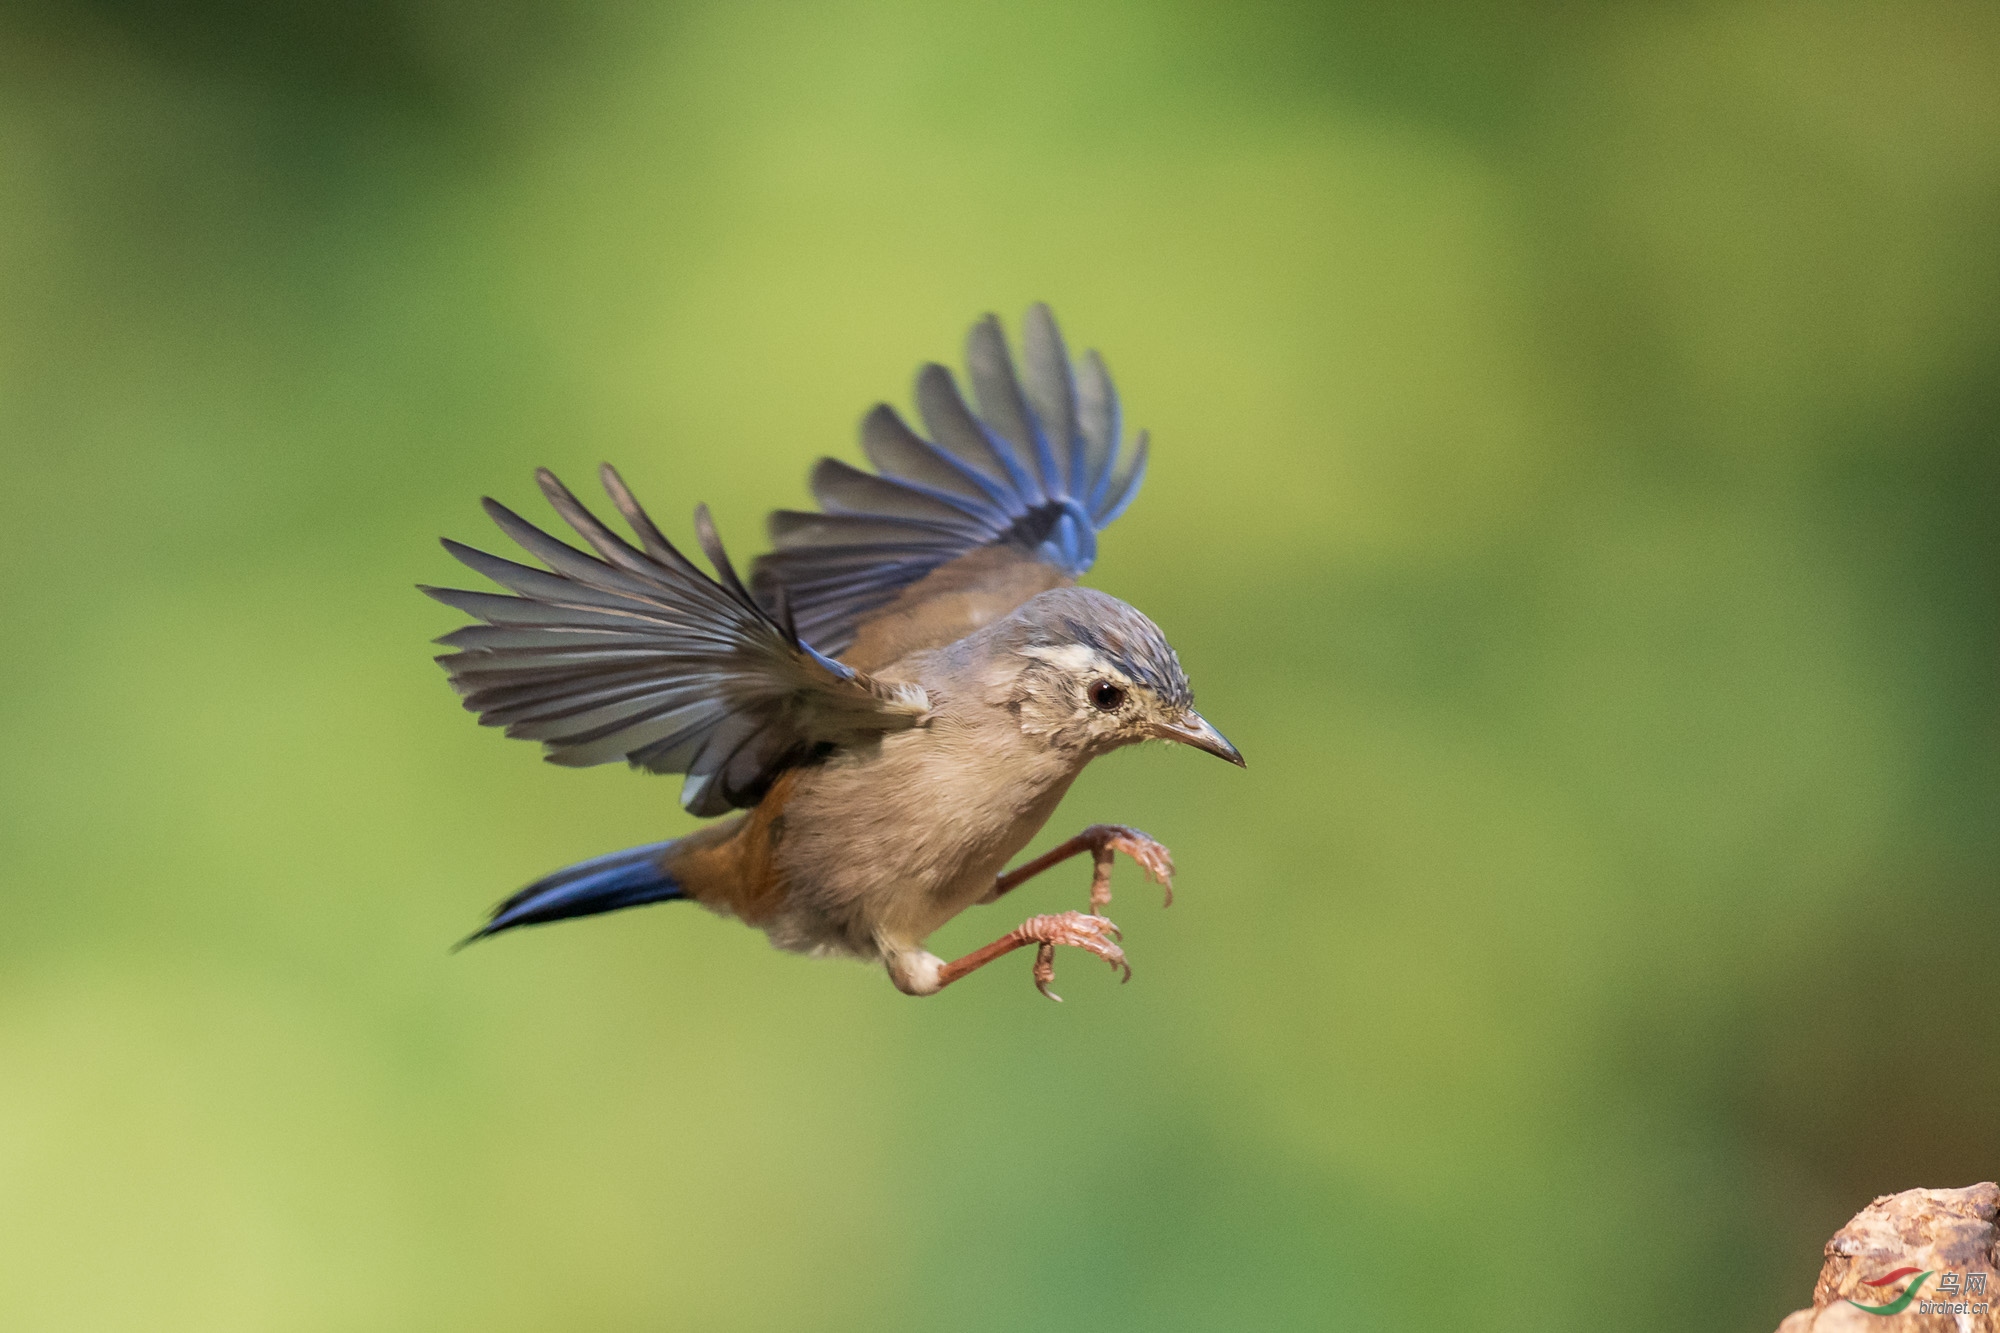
(896, 701)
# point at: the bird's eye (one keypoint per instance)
(1107, 696)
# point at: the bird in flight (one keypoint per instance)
(895, 702)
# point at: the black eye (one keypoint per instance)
(1107, 696)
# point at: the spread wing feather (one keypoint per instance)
(1036, 473)
(634, 653)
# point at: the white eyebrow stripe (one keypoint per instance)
(1074, 658)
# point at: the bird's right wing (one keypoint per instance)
(958, 529)
(637, 654)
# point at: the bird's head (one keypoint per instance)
(1091, 674)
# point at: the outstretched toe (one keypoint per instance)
(1077, 930)
(1151, 854)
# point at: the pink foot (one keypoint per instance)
(1104, 840)
(1077, 930)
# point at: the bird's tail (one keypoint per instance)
(629, 878)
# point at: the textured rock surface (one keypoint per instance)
(1934, 1231)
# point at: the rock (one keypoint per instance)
(1942, 1241)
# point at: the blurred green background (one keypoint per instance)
(1575, 487)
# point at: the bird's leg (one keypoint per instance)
(919, 973)
(1102, 841)
(1079, 930)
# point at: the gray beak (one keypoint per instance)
(1194, 729)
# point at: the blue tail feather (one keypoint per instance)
(629, 878)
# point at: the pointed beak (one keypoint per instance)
(1194, 729)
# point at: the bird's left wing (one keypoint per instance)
(956, 530)
(637, 654)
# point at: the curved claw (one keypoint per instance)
(1045, 971)
(1079, 930)
(1150, 853)
(1152, 857)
